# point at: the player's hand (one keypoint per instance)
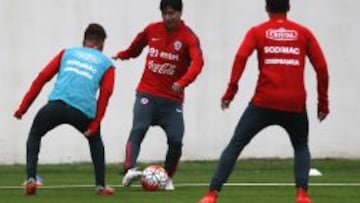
(322, 115)
(18, 114)
(225, 104)
(92, 128)
(120, 56)
(115, 58)
(177, 88)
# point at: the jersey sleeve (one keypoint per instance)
(136, 46)
(43, 77)
(245, 50)
(106, 90)
(196, 63)
(318, 61)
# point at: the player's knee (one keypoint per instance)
(301, 147)
(137, 134)
(175, 144)
(139, 129)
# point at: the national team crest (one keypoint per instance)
(177, 45)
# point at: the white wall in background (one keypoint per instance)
(32, 32)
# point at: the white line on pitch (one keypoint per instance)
(198, 185)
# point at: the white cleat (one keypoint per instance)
(169, 185)
(131, 175)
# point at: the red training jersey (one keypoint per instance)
(281, 46)
(172, 57)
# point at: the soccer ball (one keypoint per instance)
(153, 178)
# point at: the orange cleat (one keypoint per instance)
(210, 197)
(302, 196)
(105, 191)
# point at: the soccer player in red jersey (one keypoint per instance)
(279, 98)
(81, 72)
(173, 62)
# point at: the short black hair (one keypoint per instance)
(278, 6)
(95, 32)
(175, 4)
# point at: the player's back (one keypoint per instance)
(80, 73)
(281, 47)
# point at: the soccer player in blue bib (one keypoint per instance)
(81, 72)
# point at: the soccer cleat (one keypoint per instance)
(169, 185)
(30, 187)
(302, 196)
(104, 191)
(131, 175)
(210, 197)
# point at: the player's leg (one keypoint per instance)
(252, 121)
(78, 120)
(172, 122)
(48, 117)
(297, 127)
(142, 118)
(98, 158)
(143, 112)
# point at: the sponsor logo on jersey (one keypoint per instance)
(153, 52)
(281, 50)
(163, 69)
(279, 61)
(282, 34)
(80, 68)
(81, 65)
(169, 56)
(87, 57)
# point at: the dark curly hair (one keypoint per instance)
(278, 6)
(95, 32)
(175, 4)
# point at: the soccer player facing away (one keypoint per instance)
(81, 72)
(279, 98)
(173, 62)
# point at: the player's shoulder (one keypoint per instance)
(154, 25)
(188, 32)
(88, 54)
(72, 48)
(82, 49)
(302, 29)
(298, 26)
(76, 49)
(259, 28)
